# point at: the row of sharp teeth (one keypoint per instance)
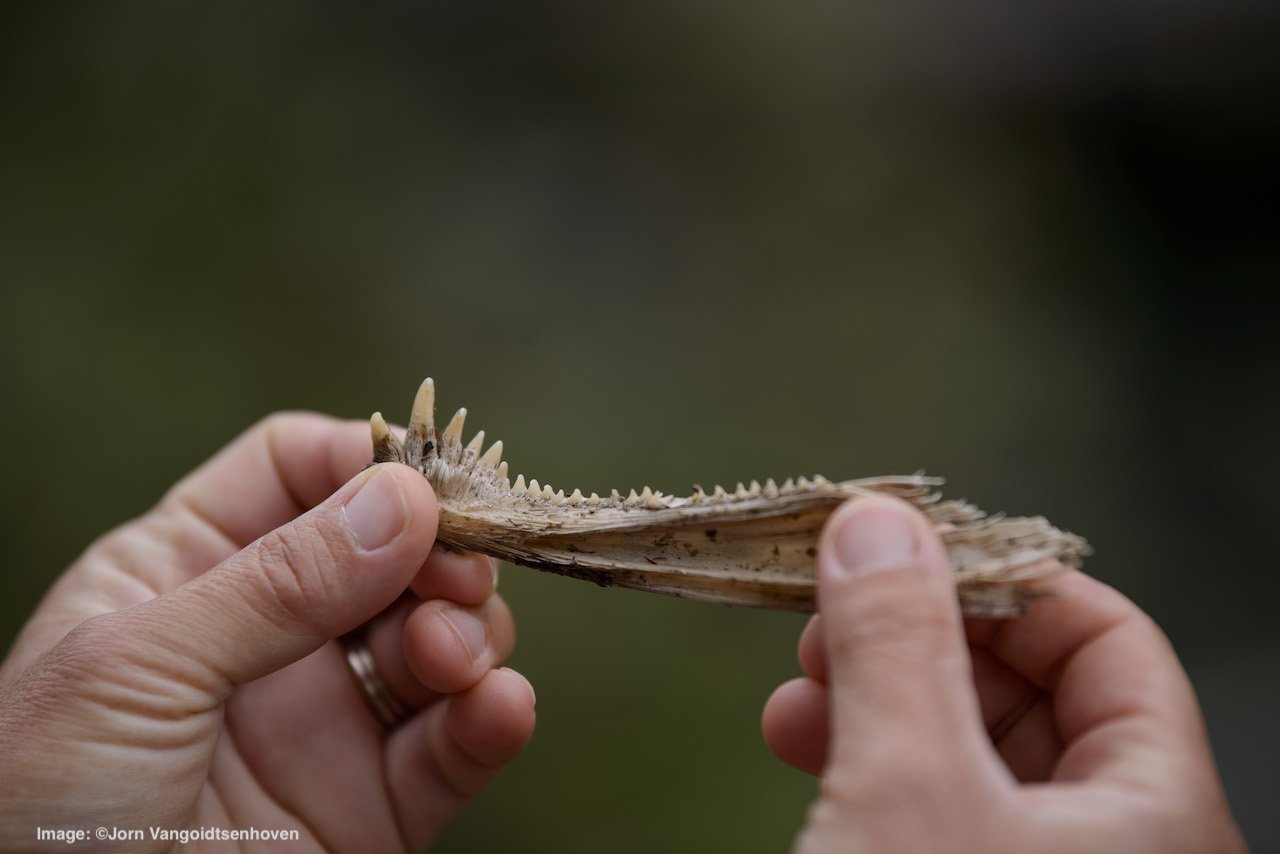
(655, 499)
(422, 425)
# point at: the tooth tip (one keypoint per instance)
(493, 456)
(453, 432)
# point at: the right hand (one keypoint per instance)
(1071, 729)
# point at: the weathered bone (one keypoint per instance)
(752, 547)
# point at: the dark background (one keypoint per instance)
(1031, 247)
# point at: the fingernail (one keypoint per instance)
(377, 513)
(469, 630)
(876, 538)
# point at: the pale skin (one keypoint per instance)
(183, 672)
(1072, 729)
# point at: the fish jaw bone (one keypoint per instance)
(754, 546)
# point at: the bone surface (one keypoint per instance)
(752, 546)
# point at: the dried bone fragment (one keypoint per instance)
(754, 546)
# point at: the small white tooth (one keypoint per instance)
(477, 443)
(804, 483)
(741, 491)
(755, 487)
(770, 488)
(379, 429)
(696, 494)
(535, 488)
(632, 499)
(519, 484)
(453, 432)
(547, 493)
(560, 499)
(647, 493)
(576, 497)
(820, 480)
(593, 500)
(788, 485)
(653, 500)
(718, 494)
(493, 456)
(615, 496)
(502, 470)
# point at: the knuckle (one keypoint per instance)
(91, 645)
(291, 566)
(282, 421)
(72, 666)
(906, 621)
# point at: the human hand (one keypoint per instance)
(183, 673)
(1071, 729)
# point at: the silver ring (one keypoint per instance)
(1014, 716)
(389, 711)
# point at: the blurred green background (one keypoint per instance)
(1027, 247)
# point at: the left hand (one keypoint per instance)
(183, 672)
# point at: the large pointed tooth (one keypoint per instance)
(418, 436)
(494, 455)
(477, 443)
(632, 499)
(754, 489)
(519, 484)
(718, 494)
(386, 448)
(453, 432)
(615, 496)
(770, 488)
(741, 491)
(422, 416)
(647, 493)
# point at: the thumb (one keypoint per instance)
(898, 665)
(282, 596)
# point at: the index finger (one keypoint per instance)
(281, 467)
